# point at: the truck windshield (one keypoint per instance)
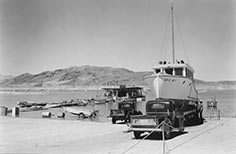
(157, 106)
(126, 105)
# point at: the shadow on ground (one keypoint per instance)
(194, 122)
(158, 135)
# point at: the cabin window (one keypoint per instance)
(157, 70)
(169, 71)
(189, 74)
(178, 71)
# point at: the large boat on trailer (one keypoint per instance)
(174, 80)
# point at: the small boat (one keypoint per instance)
(81, 111)
(30, 104)
(52, 105)
(32, 108)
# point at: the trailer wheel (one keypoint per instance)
(113, 120)
(81, 116)
(93, 115)
(137, 134)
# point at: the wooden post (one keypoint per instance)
(3, 111)
(219, 116)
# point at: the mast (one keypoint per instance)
(173, 35)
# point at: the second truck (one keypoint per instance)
(163, 115)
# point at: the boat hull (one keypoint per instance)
(172, 87)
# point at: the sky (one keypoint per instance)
(44, 35)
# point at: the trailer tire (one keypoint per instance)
(137, 134)
(81, 116)
(113, 120)
(93, 115)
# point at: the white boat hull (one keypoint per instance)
(172, 87)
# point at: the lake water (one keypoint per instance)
(226, 100)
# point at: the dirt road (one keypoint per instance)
(22, 135)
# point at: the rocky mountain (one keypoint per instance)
(84, 76)
(93, 76)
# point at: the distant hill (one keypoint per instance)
(216, 85)
(92, 77)
(4, 77)
(84, 76)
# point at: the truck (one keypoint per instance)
(163, 115)
(126, 99)
(126, 108)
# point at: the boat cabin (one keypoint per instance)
(123, 91)
(182, 69)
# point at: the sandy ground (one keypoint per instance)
(25, 135)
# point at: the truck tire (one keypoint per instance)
(137, 134)
(139, 113)
(113, 120)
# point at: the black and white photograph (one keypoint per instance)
(117, 76)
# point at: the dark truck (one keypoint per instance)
(174, 114)
(126, 99)
(126, 108)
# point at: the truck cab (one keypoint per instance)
(126, 99)
(161, 114)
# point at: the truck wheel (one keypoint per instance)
(113, 120)
(140, 113)
(137, 134)
(81, 116)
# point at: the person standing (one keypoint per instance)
(200, 110)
